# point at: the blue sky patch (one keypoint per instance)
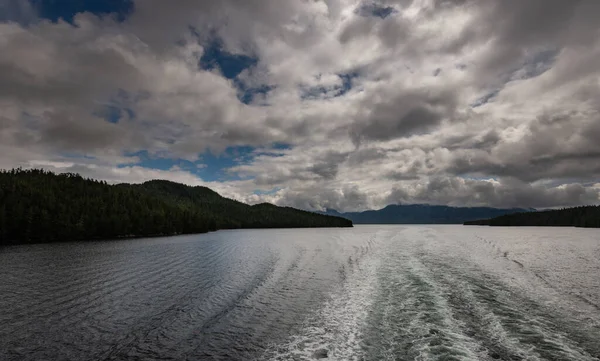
(210, 166)
(533, 66)
(320, 92)
(347, 82)
(231, 65)
(118, 107)
(281, 146)
(374, 9)
(274, 150)
(246, 94)
(485, 99)
(110, 113)
(259, 192)
(157, 162)
(317, 92)
(216, 165)
(537, 64)
(67, 9)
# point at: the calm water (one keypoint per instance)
(368, 293)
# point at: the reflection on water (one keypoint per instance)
(368, 293)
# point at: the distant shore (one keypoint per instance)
(584, 217)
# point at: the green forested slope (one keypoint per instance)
(588, 216)
(39, 206)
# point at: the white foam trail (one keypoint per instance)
(428, 320)
(336, 329)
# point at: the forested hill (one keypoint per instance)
(40, 206)
(588, 216)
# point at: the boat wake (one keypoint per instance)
(402, 302)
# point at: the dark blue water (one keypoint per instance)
(368, 293)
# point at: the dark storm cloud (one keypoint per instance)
(401, 115)
(365, 155)
(486, 140)
(553, 147)
(327, 166)
(47, 64)
(63, 131)
(324, 167)
(386, 124)
(515, 28)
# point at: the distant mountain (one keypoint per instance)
(588, 216)
(422, 214)
(40, 206)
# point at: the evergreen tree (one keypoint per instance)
(40, 206)
(586, 216)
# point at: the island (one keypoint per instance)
(585, 216)
(40, 206)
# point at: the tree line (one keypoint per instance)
(40, 206)
(585, 216)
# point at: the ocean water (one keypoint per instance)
(367, 293)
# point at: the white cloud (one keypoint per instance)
(404, 132)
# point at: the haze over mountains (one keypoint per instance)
(423, 214)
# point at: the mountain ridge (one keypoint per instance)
(40, 206)
(422, 214)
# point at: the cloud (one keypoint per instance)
(401, 115)
(21, 12)
(509, 193)
(456, 102)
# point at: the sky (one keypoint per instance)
(341, 104)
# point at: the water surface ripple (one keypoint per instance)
(368, 293)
